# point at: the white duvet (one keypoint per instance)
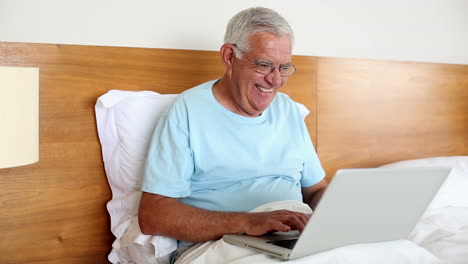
(440, 237)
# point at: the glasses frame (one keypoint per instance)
(291, 68)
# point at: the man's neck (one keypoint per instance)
(222, 92)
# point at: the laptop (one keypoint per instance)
(359, 206)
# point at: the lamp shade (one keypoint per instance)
(19, 116)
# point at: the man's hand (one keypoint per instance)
(257, 224)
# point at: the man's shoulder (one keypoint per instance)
(282, 97)
(192, 98)
(284, 102)
(285, 107)
(199, 91)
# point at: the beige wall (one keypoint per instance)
(417, 30)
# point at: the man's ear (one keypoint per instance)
(227, 57)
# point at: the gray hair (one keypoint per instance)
(255, 20)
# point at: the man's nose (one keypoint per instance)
(274, 78)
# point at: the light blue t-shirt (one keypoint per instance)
(214, 159)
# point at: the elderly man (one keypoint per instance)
(232, 144)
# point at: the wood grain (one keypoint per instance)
(54, 211)
(374, 112)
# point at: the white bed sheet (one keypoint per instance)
(440, 237)
(444, 233)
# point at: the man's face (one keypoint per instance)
(253, 92)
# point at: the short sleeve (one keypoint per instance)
(169, 163)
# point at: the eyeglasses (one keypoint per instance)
(266, 68)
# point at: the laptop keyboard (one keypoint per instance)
(289, 243)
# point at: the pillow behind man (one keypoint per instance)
(125, 122)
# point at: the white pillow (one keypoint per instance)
(125, 122)
(453, 192)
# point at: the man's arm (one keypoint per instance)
(165, 216)
(311, 195)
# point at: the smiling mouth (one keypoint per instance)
(262, 89)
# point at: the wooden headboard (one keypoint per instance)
(373, 112)
(364, 113)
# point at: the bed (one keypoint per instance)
(363, 113)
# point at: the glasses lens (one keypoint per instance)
(287, 71)
(264, 68)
